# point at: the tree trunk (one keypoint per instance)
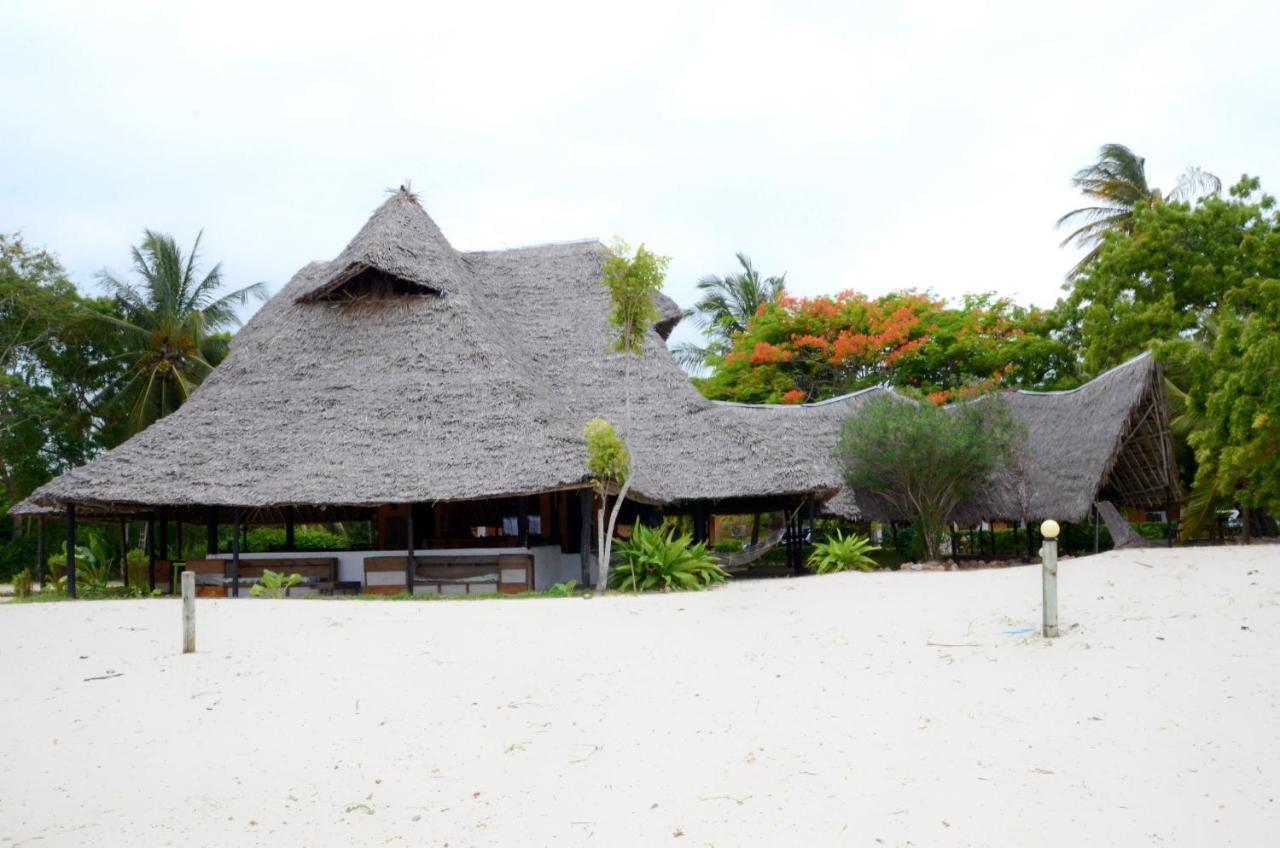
(613, 522)
(602, 564)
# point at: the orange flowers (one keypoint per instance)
(795, 396)
(768, 354)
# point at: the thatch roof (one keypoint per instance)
(405, 371)
(473, 381)
(1107, 439)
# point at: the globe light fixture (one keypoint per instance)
(1049, 529)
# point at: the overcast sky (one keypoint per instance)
(852, 145)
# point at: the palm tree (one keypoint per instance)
(173, 326)
(1117, 182)
(725, 309)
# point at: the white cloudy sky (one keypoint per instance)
(854, 145)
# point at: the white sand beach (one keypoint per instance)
(888, 709)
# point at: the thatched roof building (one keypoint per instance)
(405, 373)
(1108, 439)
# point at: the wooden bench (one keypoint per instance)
(213, 575)
(509, 574)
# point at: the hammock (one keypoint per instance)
(751, 553)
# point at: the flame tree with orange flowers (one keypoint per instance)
(799, 350)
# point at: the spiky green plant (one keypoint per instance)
(842, 553)
(656, 558)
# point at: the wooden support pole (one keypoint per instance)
(289, 544)
(955, 546)
(755, 529)
(188, 612)
(410, 560)
(522, 520)
(584, 534)
(813, 522)
(163, 539)
(893, 532)
(211, 542)
(235, 555)
(151, 554)
(124, 552)
(41, 556)
(1096, 538)
(71, 550)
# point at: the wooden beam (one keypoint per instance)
(211, 544)
(235, 555)
(41, 557)
(522, 520)
(585, 504)
(71, 550)
(124, 552)
(289, 544)
(151, 554)
(411, 560)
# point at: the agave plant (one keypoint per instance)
(656, 558)
(842, 553)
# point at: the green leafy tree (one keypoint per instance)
(53, 358)
(609, 463)
(924, 460)
(173, 326)
(1117, 186)
(633, 280)
(1234, 398)
(1166, 280)
(725, 308)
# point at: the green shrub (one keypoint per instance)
(659, 559)
(275, 585)
(137, 562)
(55, 576)
(727, 546)
(841, 553)
(563, 590)
(22, 584)
(304, 539)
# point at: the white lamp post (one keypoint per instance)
(1049, 558)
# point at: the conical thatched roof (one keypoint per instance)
(474, 381)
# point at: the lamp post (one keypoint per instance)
(1049, 570)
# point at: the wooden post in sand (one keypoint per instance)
(188, 612)
(1049, 569)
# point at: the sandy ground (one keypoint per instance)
(815, 711)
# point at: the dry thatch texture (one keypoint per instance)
(1108, 438)
(472, 376)
(478, 391)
